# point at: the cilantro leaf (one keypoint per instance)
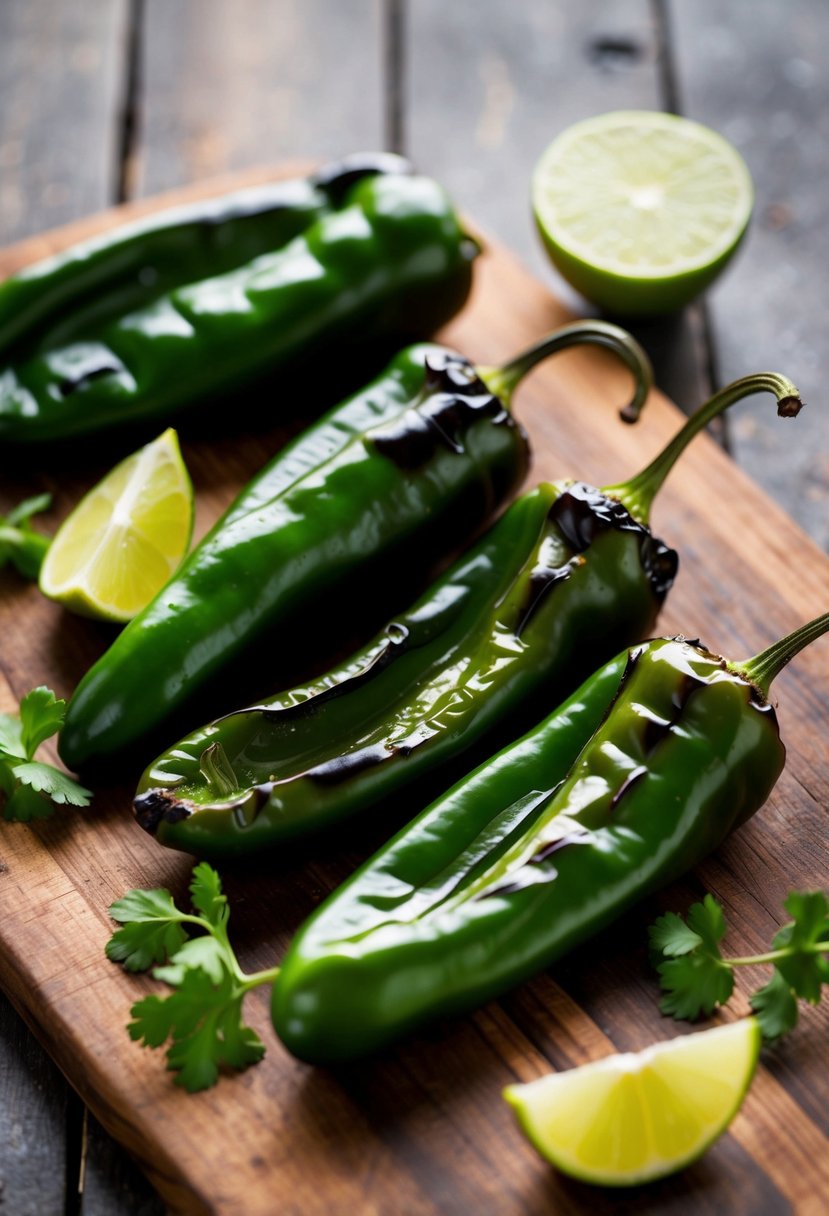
(202, 1017)
(11, 737)
(776, 1007)
(20, 543)
(695, 979)
(23, 512)
(804, 970)
(41, 716)
(707, 920)
(206, 892)
(203, 953)
(25, 804)
(152, 931)
(46, 779)
(144, 905)
(7, 781)
(139, 945)
(694, 983)
(670, 936)
(31, 787)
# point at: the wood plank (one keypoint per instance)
(414, 1130)
(59, 96)
(511, 80)
(112, 1184)
(227, 86)
(59, 102)
(33, 1116)
(757, 73)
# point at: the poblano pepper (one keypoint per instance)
(197, 301)
(563, 580)
(631, 782)
(412, 465)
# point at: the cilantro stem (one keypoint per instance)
(247, 980)
(772, 956)
(255, 979)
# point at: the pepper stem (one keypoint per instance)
(502, 381)
(638, 493)
(766, 665)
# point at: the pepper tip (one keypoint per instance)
(630, 412)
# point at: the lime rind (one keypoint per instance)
(640, 210)
(631, 1119)
(126, 537)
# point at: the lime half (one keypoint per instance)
(124, 540)
(640, 210)
(632, 1118)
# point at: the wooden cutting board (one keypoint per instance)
(422, 1129)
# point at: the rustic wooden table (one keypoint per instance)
(116, 99)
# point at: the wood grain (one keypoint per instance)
(58, 58)
(512, 82)
(422, 1128)
(758, 74)
(60, 85)
(227, 86)
(32, 1124)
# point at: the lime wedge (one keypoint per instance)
(632, 1118)
(124, 540)
(640, 210)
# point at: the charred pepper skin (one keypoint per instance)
(150, 256)
(566, 576)
(195, 305)
(635, 779)
(398, 464)
(407, 469)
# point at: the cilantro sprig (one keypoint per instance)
(20, 543)
(30, 787)
(696, 978)
(202, 1018)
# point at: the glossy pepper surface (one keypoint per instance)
(568, 576)
(409, 466)
(197, 302)
(632, 781)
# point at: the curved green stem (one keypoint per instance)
(763, 668)
(638, 493)
(255, 979)
(502, 381)
(774, 956)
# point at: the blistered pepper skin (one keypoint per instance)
(199, 304)
(409, 466)
(634, 780)
(564, 578)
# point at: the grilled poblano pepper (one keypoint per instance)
(568, 576)
(412, 465)
(197, 301)
(631, 782)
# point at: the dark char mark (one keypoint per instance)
(635, 775)
(453, 400)
(157, 806)
(341, 768)
(582, 513)
(398, 640)
(71, 384)
(337, 178)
